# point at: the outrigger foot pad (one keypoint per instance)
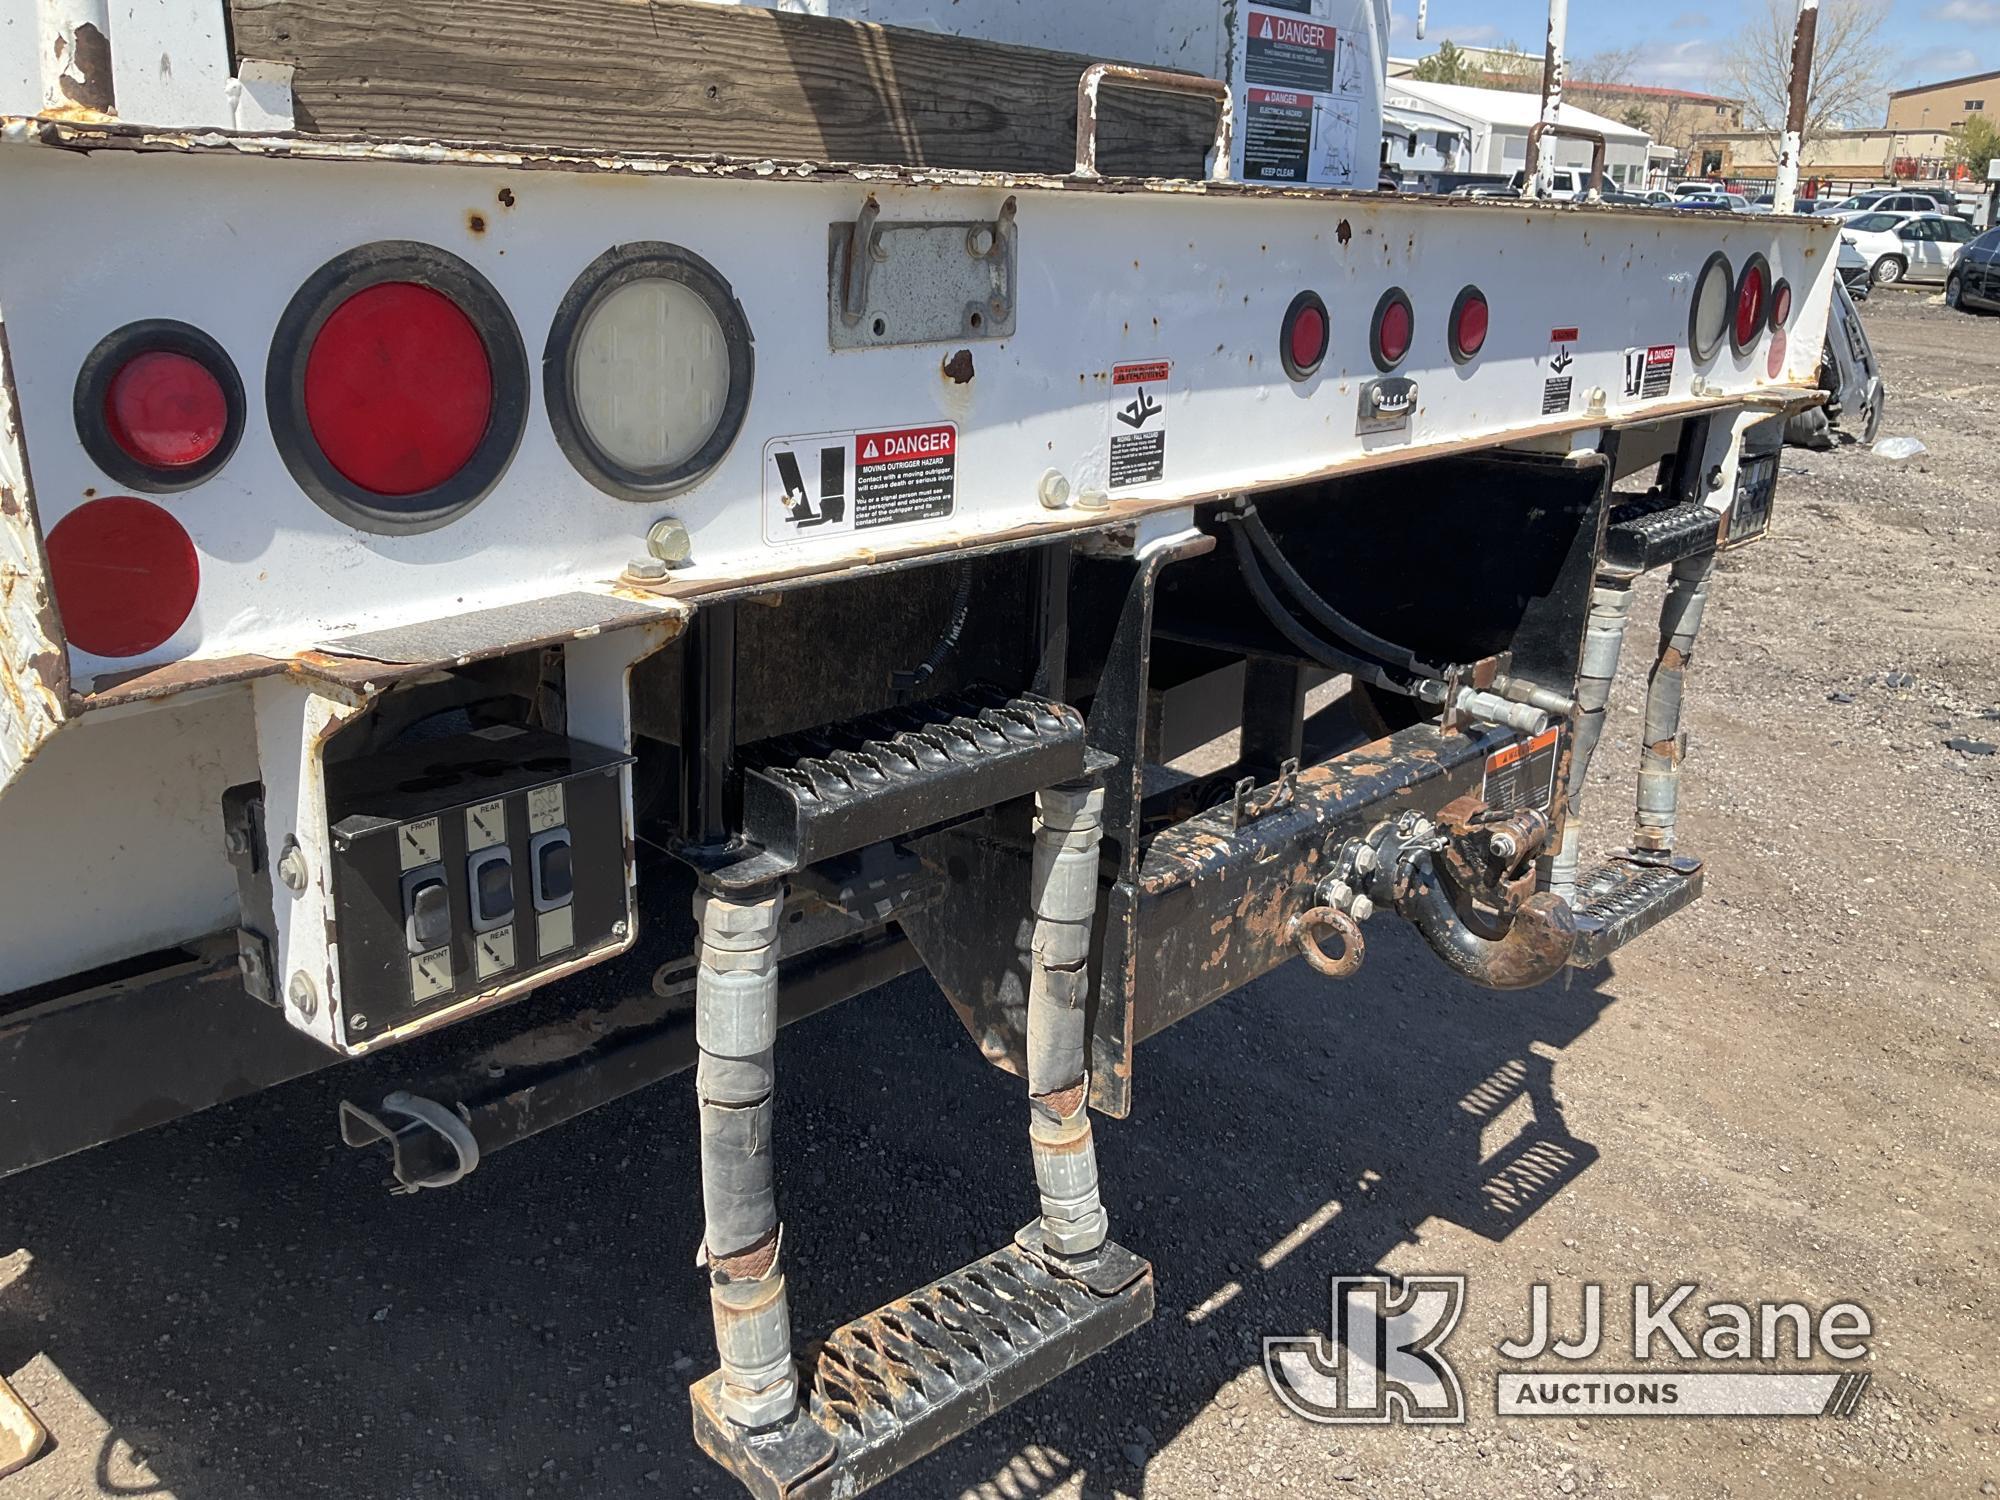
(1626, 896)
(888, 1388)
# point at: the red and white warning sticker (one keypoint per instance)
(1139, 422)
(821, 484)
(1650, 371)
(1523, 775)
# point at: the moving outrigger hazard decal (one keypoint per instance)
(1559, 386)
(832, 483)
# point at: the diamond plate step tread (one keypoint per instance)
(886, 1389)
(1618, 901)
(1646, 534)
(813, 796)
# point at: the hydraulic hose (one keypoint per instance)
(1346, 633)
(1287, 625)
(947, 642)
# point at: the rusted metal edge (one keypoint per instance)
(106, 135)
(680, 594)
(365, 674)
(34, 667)
(689, 584)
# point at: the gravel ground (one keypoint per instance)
(1788, 1093)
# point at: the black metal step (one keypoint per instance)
(812, 796)
(1652, 532)
(906, 1379)
(1622, 898)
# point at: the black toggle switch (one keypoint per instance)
(554, 883)
(490, 875)
(426, 910)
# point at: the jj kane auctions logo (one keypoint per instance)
(1384, 1360)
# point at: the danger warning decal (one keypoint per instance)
(1648, 372)
(829, 483)
(1139, 422)
(1523, 775)
(1289, 52)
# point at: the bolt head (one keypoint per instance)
(1504, 846)
(1361, 909)
(1077, 1236)
(1366, 859)
(759, 1409)
(669, 542)
(980, 242)
(292, 869)
(357, 1022)
(645, 570)
(1054, 490)
(303, 994)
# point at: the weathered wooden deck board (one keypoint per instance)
(669, 76)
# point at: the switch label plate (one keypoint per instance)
(417, 844)
(486, 824)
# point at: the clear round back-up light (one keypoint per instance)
(649, 372)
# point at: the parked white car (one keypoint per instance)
(1912, 247)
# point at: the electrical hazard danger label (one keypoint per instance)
(1289, 52)
(1523, 776)
(1139, 422)
(1277, 135)
(831, 483)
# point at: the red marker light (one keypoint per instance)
(398, 388)
(1781, 304)
(166, 410)
(125, 575)
(1308, 337)
(1394, 326)
(1305, 336)
(1470, 317)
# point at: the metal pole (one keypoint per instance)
(1785, 192)
(1554, 66)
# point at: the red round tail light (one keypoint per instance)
(1305, 336)
(397, 386)
(1753, 291)
(1469, 320)
(125, 575)
(159, 406)
(1394, 326)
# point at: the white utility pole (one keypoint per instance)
(1785, 191)
(1554, 66)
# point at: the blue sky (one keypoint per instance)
(1936, 39)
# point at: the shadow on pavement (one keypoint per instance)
(244, 1304)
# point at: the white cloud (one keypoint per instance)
(1941, 62)
(1679, 65)
(1979, 12)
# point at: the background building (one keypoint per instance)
(1944, 106)
(1840, 160)
(1484, 134)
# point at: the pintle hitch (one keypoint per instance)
(1466, 882)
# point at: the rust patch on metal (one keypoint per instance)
(1344, 232)
(505, 197)
(475, 221)
(958, 369)
(752, 1264)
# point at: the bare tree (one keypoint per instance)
(1850, 63)
(1613, 66)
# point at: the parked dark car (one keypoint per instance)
(1974, 283)
(1852, 379)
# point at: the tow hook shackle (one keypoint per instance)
(1311, 928)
